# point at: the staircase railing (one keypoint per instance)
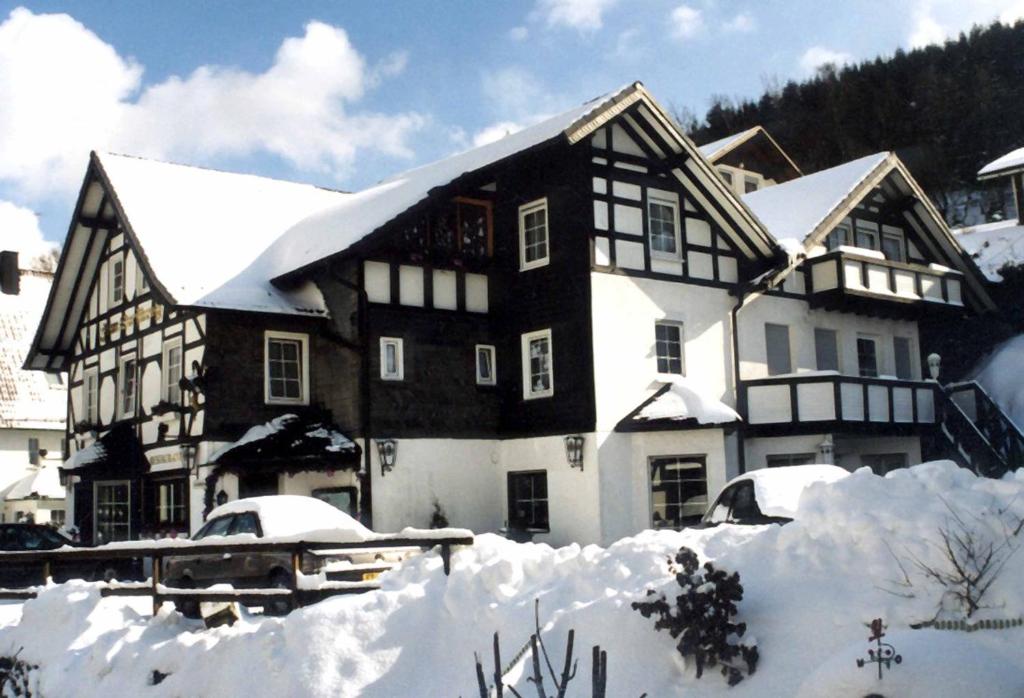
(986, 440)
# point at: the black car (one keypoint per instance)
(36, 537)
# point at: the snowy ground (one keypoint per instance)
(811, 588)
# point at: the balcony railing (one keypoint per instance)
(826, 399)
(842, 277)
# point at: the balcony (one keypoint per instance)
(858, 280)
(825, 401)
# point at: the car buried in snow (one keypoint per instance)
(278, 518)
(767, 495)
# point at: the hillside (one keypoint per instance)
(946, 110)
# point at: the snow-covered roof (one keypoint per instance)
(1001, 166)
(200, 230)
(95, 452)
(796, 208)
(680, 400)
(287, 516)
(778, 490)
(286, 435)
(710, 150)
(44, 483)
(338, 227)
(28, 399)
(993, 245)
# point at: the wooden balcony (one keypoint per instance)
(825, 401)
(844, 280)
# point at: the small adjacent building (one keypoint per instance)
(581, 330)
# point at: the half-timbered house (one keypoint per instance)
(581, 330)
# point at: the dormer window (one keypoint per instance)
(750, 184)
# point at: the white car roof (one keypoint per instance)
(778, 490)
(289, 516)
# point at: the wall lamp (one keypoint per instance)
(188, 458)
(387, 451)
(574, 451)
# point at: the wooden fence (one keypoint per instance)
(155, 588)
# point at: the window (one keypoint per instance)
(172, 372)
(171, 508)
(901, 352)
(538, 371)
(126, 395)
(663, 226)
(58, 517)
(867, 237)
(533, 234)
(750, 184)
(826, 349)
(668, 347)
(286, 376)
(91, 391)
(485, 373)
(839, 236)
(341, 498)
(392, 361)
(780, 460)
(867, 357)
(882, 463)
(892, 247)
(528, 500)
(33, 451)
(679, 490)
(116, 280)
(111, 511)
(727, 176)
(776, 338)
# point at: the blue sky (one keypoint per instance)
(343, 94)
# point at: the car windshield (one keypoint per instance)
(216, 527)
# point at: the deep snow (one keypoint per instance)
(811, 588)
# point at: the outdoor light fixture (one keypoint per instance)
(387, 451)
(933, 366)
(827, 450)
(574, 451)
(188, 458)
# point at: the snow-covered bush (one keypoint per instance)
(701, 617)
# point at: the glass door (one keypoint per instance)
(112, 511)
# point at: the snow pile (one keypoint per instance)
(1001, 376)
(41, 483)
(683, 400)
(993, 245)
(810, 588)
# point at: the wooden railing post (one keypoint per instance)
(446, 557)
(157, 561)
(46, 571)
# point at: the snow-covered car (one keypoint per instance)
(26, 537)
(767, 496)
(281, 518)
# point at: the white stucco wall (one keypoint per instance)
(847, 449)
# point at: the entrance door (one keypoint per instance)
(257, 485)
(111, 511)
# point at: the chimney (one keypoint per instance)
(9, 275)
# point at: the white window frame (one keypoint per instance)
(91, 398)
(672, 201)
(115, 297)
(399, 373)
(490, 350)
(867, 228)
(122, 377)
(528, 392)
(165, 364)
(682, 346)
(303, 340)
(524, 210)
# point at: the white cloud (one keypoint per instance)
(19, 231)
(518, 33)
(496, 132)
(817, 56)
(934, 21)
(515, 94)
(686, 22)
(582, 15)
(743, 23)
(65, 91)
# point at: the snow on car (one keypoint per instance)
(768, 495)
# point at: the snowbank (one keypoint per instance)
(811, 586)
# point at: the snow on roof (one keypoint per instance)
(201, 229)
(709, 150)
(44, 483)
(1001, 375)
(294, 516)
(681, 399)
(93, 453)
(1014, 160)
(778, 490)
(298, 436)
(336, 228)
(993, 245)
(28, 399)
(795, 208)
